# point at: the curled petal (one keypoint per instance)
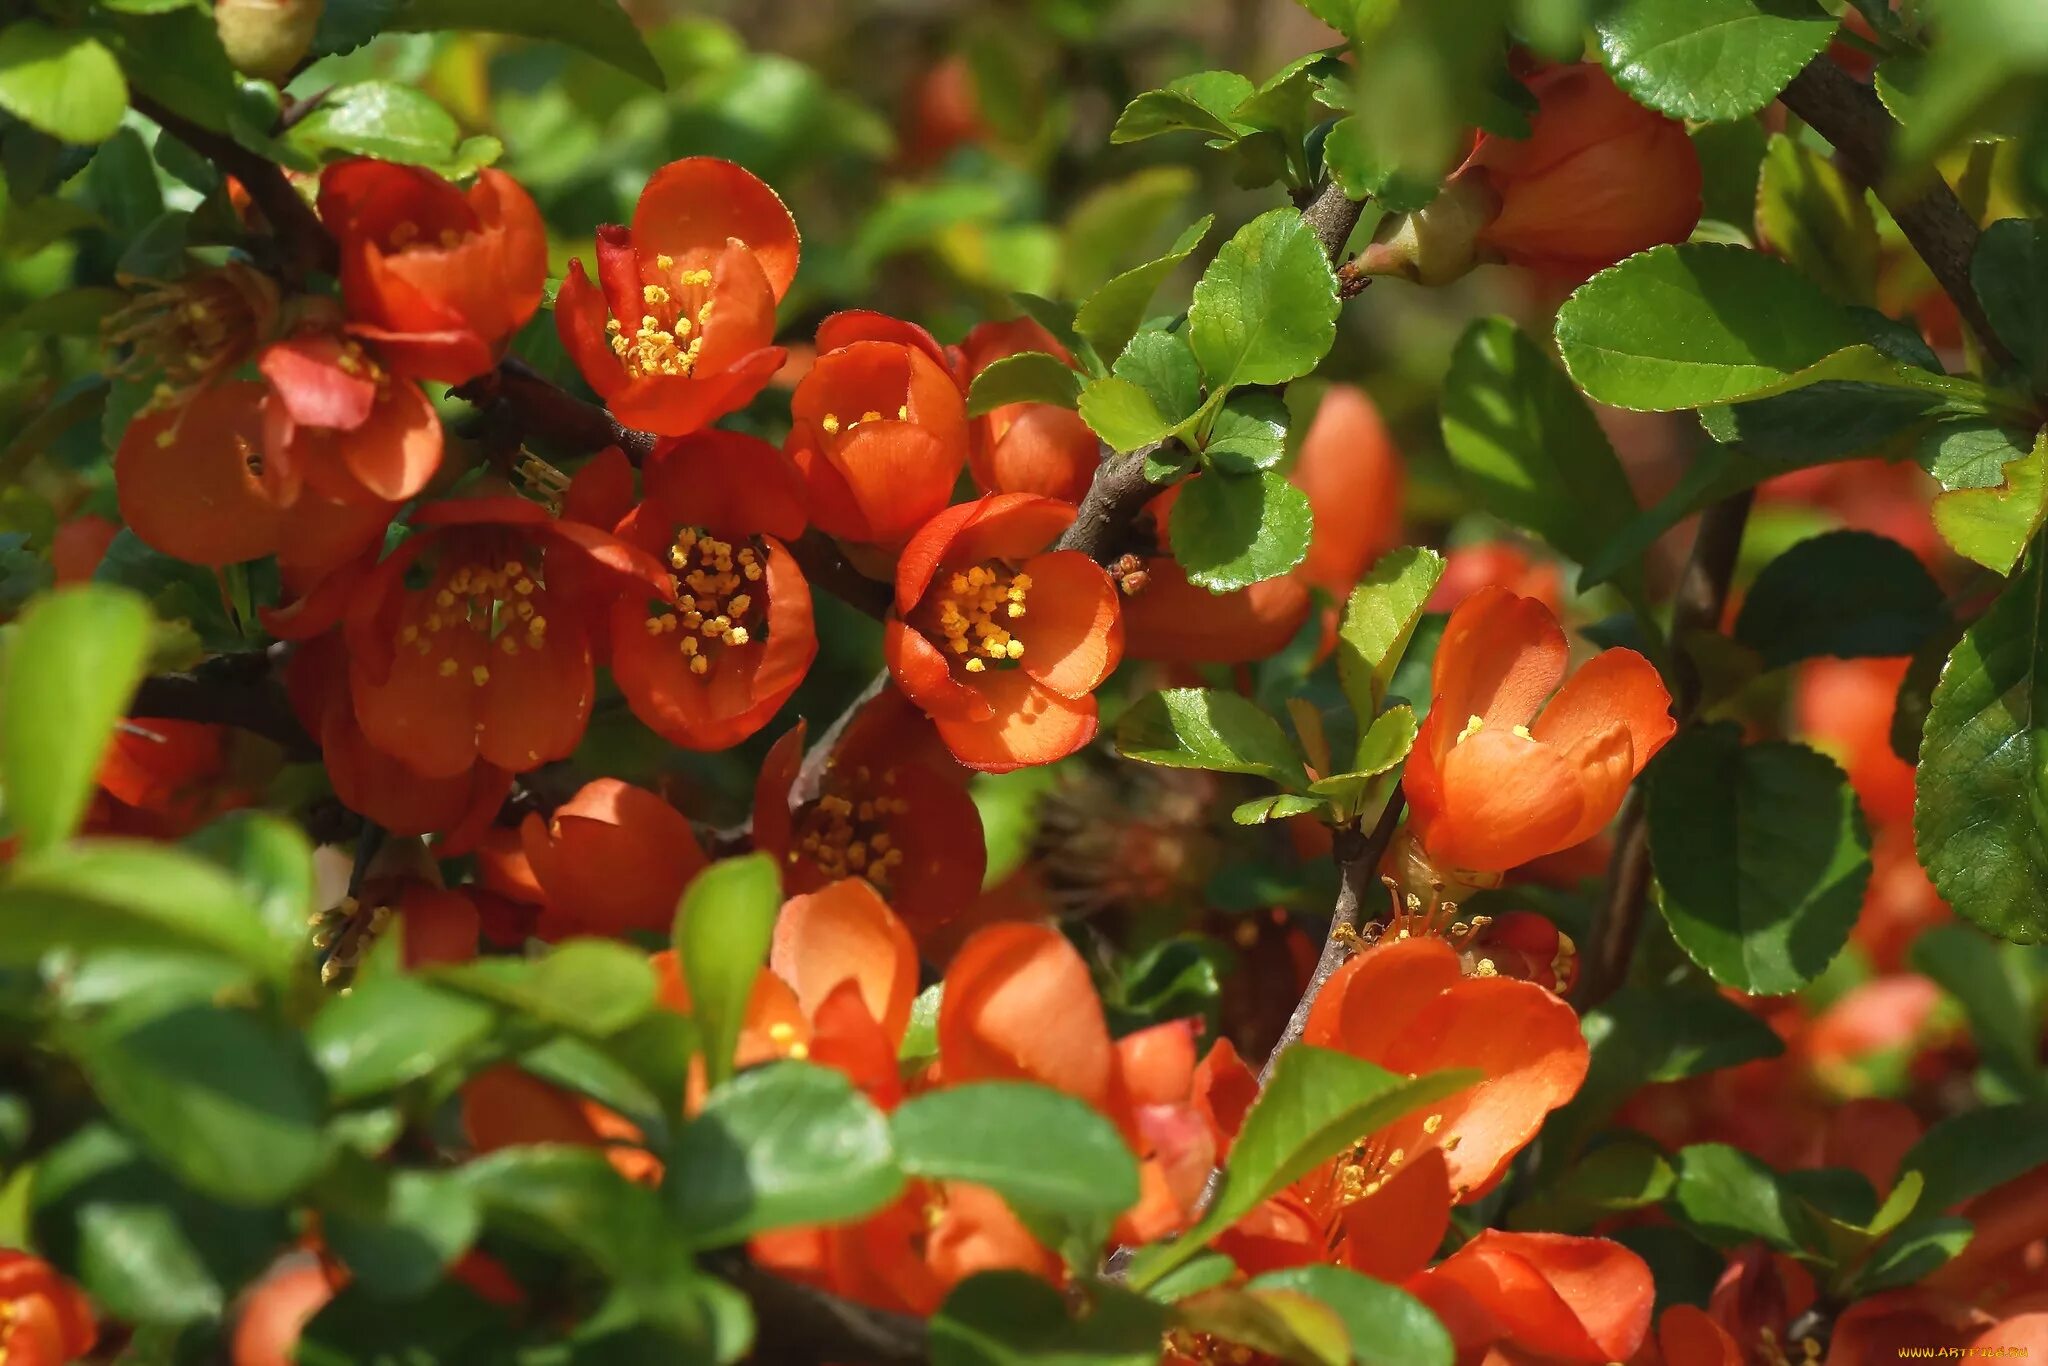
(845, 932)
(1019, 1005)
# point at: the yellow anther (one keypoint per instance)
(830, 424)
(1523, 731)
(1472, 728)
(479, 675)
(653, 294)
(448, 668)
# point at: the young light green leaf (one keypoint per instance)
(1201, 102)
(1039, 1149)
(1026, 377)
(71, 667)
(1278, 1325)
(1154, 388)
(1211, 729)
(721, 938)
(1762, 855)
(61, 81)
(1316, 1103)
(1276, 807)
(1112, 315)
(1811, 215)
(391, 121)
(1993, 525)
(1526, 444)
(1265, 311)
(1687, 326)
(1230, 531)
(777, 1146)
(1983, 758)
(1709, 60)
(1379, 618)
(589, 986)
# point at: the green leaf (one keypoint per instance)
(176, 59)
(390, 1031)
(1316, 1103)
(1365, 166)
(1279, 1325)
(1039, 1149)
(1012, 1318)
(2010, 276)
(1276, 807)
(71, 667)
(1730, 1197)
(590, 986)
(1623, 1175)
(1249, 433)
(1978, 819)
(1709, 60)
(1762, 854)
(1850, 594)
(1969, 452)
(1810, 214)
(1154, 388)
(1265, 311)
(721, 938)
(399, 1237)
(1387, 1325)
(1098, 233)
(1993, 525)
(1027, 377)
(778, 1146)
(1687, 326)
(1731, 161)
(228, 1101)
(1526, 444)
(1386, 742)
(1833, 421)
(1917, 1248)
(61, 81)
(1112, 314)
(1642, 1035)
(1965, 1155)
(1990, 982)
(598, 27)
(1230, 531)
(1379, 619)
(1200, 103)
(1211, 729)
(392, 122)
(271, 861)
(114, 894)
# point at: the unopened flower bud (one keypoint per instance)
(1435, 245)
(267, 38)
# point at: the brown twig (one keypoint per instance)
(797, 1323)
(1702, 599)
(825, 567)
(1851, 117)
(1358, 857)
(228, 690)
(545, 409)
(1332, 215)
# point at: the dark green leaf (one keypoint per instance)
(1687, 326)
(1526, 444)
(2010, 275)
(1367, 166)
(1011, 1318)
(399, 1236)
(1823, 422)
(1919, 1246)
(1731, 162)
(1027, 377)
(1730, 1197)
(1265, 311)
(230, 1102)
(571, 1198)
(599, 27)
(60, 80)
(389, 1031)
(1230, 531)
(721, 938)
(1991, 983)
(1249, 433)
(1708, 60)
(1762, 855)
(1316, 1103)
(1212, 729)
(1039, 1149)
(1616, 1177)
(1850, 594)
(778, 1146)
(1977, 818)
(72, 664)
(1379, 619)
(1965, 1155)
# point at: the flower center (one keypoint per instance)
(974, 612)
(193, 330)
(835, 425)
(494, 599)
(670, 334)
(1475, 724)
(719, 587)
(846, 833)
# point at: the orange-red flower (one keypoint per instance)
(679, 330)
(1497, 564)
(277, 1310)
(195, 483)
(612, 859)
(505, 1107)
(1548, 1297)
(489, 658)
(44, 1320)
(339, 421)
(1025, 447)
(1000, 641)
(1493, 785)
(78, 546)
(892, 807)
(162, 779)
(707, 664)
(878, 428)
(439, 277)
(1598, 178)
(1845, 706)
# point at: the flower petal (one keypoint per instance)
(1501, 655)
(1615, 687)
(1506, 800)
(846, 932)
(184, 479)
(1072, 632)
(1028, 724)
(1019, 1005)
(702, 202)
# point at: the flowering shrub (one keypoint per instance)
(801, 688)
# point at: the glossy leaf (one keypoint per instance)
(721, 940)
(1379, 619)
(1230, 531)
(61, 81)
(1265, 311)
(1249, 434)
(1813, 216)
(1992, 525)
(598, 27)
(1041, 1150)
(1709, 60)
(1027, 377)
(1208, 728)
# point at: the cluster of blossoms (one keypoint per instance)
(448, 629)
